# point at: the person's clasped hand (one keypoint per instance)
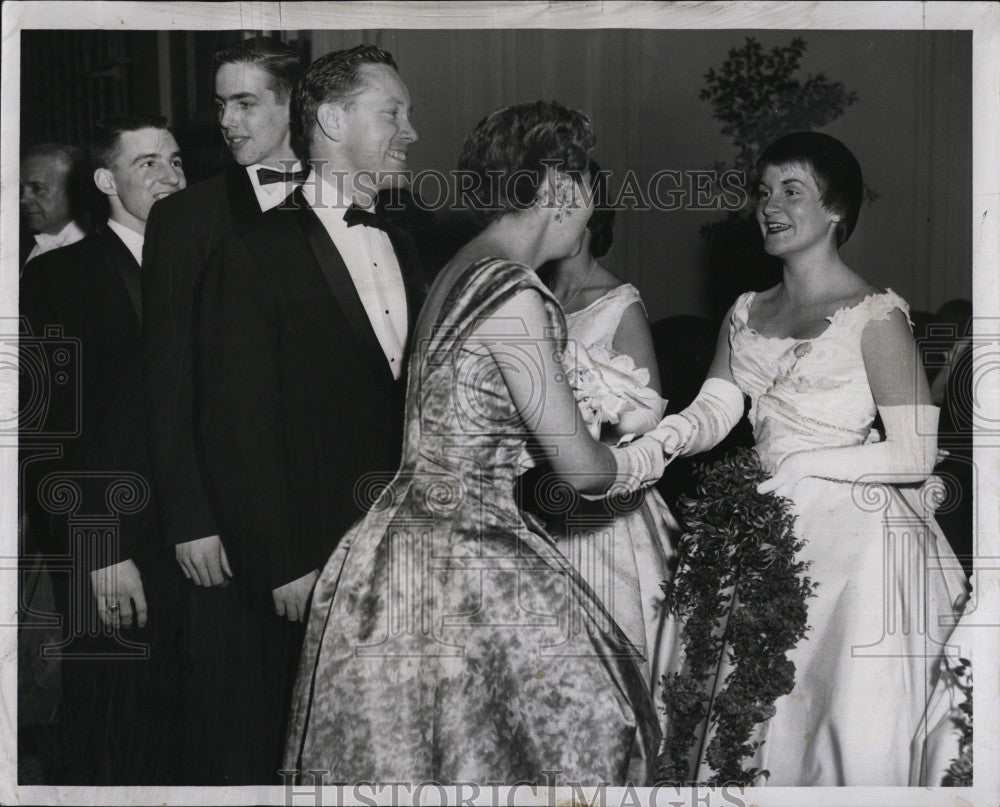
(792, 470)
(292, 599)
(204, 561)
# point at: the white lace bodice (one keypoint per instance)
(807, 393)
(595, 325)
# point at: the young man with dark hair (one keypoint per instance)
(115, 592)
(230, 718)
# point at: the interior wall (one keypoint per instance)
(910, 129)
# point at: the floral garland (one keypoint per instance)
(959, 773)
(740, 593)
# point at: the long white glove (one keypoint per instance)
(638, 464)
(908, 454)
(702, 425)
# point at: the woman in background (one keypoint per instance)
(620, 547)
(819, 355)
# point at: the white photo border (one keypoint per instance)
(982, 18)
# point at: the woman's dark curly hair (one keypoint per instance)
(508, 152)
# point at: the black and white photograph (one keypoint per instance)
(500, 403)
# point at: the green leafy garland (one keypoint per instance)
(959, 773)
(739, 590)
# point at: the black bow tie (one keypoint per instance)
(268, 176)
(358, 215)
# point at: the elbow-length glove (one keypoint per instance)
(638, 464)
(702, 425)
(908, 454)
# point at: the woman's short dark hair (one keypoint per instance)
(509, 151)
(281, 62)
(602, 220)
(335, 78)
(834, 167)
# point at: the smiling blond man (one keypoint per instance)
(304, 323)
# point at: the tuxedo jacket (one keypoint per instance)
(182, 231)
(437, 233)
(91, 291)
(301, 417)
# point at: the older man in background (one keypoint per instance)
(54, 185)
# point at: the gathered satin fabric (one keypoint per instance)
(449, 640)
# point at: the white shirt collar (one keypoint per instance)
(372, 264)
(320, 192)
(272, 195)
(326, 200)
(130, 238)
(69, 234)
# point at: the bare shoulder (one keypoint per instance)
(606, 279)
(766, 302)
(857, 291)
(769, 295)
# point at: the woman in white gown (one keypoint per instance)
(620, 547)
(819, 355)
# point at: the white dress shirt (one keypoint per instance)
(372, 264)
(271, 195)
(69, 234)
(130, 238)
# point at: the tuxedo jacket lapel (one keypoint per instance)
(118, 256)
(339, 280)
(243, 202)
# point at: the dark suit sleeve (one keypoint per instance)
(81, 290)
(173, 261)
(240, 386)
(114, 441)
(34, 420)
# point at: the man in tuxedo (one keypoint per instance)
(253, 86)
(118, 681)
(304, 323)
(54, 189)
